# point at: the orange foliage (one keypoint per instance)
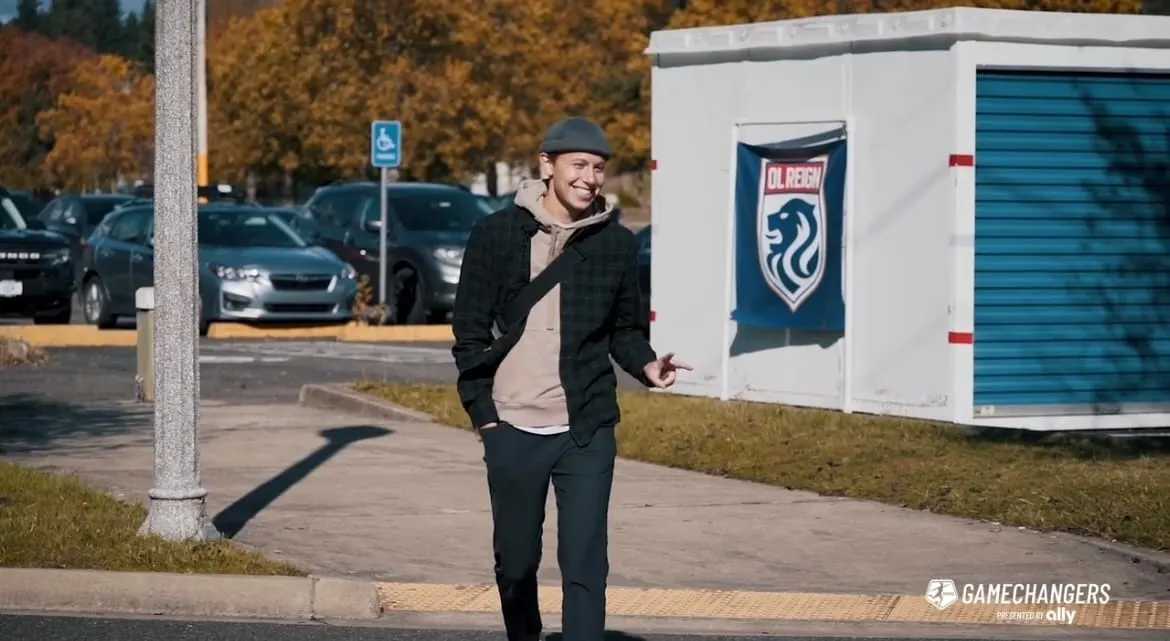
(33, 70)
(103, 124)
(702, 13)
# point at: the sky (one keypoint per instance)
(8, 7)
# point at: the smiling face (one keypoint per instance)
(576, 178)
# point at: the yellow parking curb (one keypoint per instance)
(240, 330)
(70, 335)
(399, 333)
(90, 336)
(779, 606)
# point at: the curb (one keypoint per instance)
(782, 606)
(400, 333)
(240, 330)
(342, 398)
(70, 335)
(1160, 561)
(90, 336)
(196, 595)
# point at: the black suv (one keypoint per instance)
(36, 268)
(427, 230)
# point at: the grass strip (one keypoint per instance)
(52, 521)
(1113, 489)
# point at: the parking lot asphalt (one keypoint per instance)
(235, 371)
(231, 371)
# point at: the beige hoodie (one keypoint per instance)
(527, 390)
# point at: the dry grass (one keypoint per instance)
(365, 310)
(14, 351)
(1097, 488)
(50, 521)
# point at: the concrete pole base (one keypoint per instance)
(179, 519)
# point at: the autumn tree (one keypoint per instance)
(701, 13)
(221, 12)
(33, 70)
(604, 76)
(258, 116)
(295, 86)
(102, 124)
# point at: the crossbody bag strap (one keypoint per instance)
(538, 287)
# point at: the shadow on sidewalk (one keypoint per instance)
(610, 635)
(234, 517)
(32, 423)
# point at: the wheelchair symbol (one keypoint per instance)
(384, 142)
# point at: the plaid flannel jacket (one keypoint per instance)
(602, 315)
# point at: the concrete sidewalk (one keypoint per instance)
(406, 502)
(411, 505)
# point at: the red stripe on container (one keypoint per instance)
(960, 338)
(651, 315)
(962, 160)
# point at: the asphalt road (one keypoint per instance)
(232, 371)
(68, 628)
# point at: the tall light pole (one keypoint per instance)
(202, 170)
(177, 509)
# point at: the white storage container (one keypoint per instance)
(1005, 243)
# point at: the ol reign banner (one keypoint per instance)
(788, 224)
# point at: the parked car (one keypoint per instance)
(643, 237)
(26, 202)
(287, 214)
(75, 217)
(36, 268)
(428, 226)
(252, 267)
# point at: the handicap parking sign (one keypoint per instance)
(386, 143)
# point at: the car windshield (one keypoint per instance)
(97, 208)
(435, 210)
(10, 217)
(245, 228)
(27, 204)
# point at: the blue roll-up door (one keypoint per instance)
(1072, 243)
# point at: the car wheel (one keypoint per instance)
(407, 298)
(95, 304)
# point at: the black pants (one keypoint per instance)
(520, 467)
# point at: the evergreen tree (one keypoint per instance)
(105, 19)
(28, 15)
(142, 40)
(131, 26)
(68, 19)
(96, 24)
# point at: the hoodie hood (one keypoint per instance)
(530, 197)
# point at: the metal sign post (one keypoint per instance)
(382, 217)
(385, 154)
(177, 509)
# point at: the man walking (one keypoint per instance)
(547, 294)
